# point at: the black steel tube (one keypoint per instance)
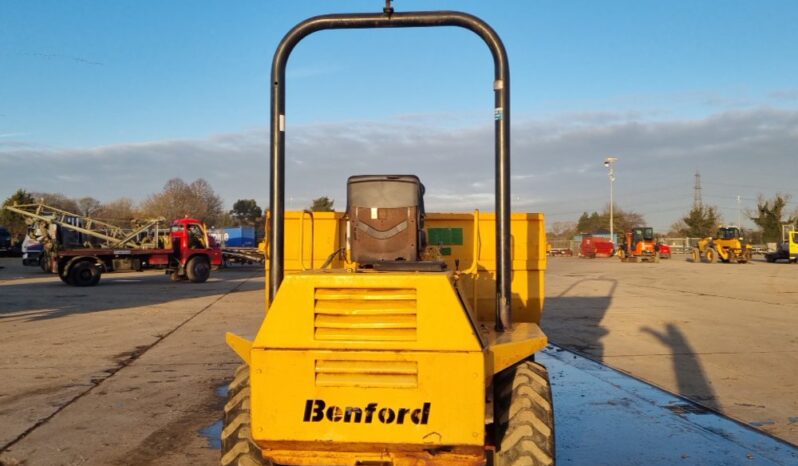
(501, 128)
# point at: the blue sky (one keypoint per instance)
(91, 90)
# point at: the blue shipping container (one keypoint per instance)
(240, 237)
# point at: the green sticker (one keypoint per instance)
(445, 236)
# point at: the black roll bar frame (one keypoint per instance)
(391, 19)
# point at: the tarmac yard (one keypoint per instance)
(132, 372)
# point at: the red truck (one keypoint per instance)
(186, 253)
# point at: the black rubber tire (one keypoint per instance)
(84, 273)
(711, 255)
(238, 449)
(64, 277)
(696, 255)
(198, 269)
(524, 417)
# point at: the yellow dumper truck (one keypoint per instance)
(393, 336)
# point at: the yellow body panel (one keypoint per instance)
(374, 360)
(516, 344)
(385, 397)
(310, 241)
(241, 346)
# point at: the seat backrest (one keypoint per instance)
(386, 215)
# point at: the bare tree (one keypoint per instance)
(57, 200)
(178, 199)
(88, 206)
(121, 212)
(562, 230)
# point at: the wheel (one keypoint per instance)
(696, 255)
(198, 269)
(730, 256)
(238, 448)
(524, 417)
(66, 278)
(84, 273)
(711, 255)
(621, 254)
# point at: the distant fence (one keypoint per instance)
(680, 245)
(564, 247)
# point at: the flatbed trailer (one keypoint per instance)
(84, 267)
(243, 255)
(190, 257)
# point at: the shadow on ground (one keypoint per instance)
(573, 320)
(50, 298)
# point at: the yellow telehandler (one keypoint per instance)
(787, 249)
(728, 245)
(393, 336)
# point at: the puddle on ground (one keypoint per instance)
(213, 432)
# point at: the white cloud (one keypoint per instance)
(556, 163)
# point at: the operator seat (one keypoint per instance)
(386, 221)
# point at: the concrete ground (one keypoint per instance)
(722, 335)
(130, 372)
(125, 373)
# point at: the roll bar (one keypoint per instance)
(389, 19)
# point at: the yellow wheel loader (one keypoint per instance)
(728, 245)
(393, 336)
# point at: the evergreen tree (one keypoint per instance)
(246, 212)
(322, 204)
(700, 222)
(15, 223)
(769, 216)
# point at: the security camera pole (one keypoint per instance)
(609, 162)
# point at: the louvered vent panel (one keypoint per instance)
(382, 374)
(365, 314)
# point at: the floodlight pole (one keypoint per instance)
(609, 162)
